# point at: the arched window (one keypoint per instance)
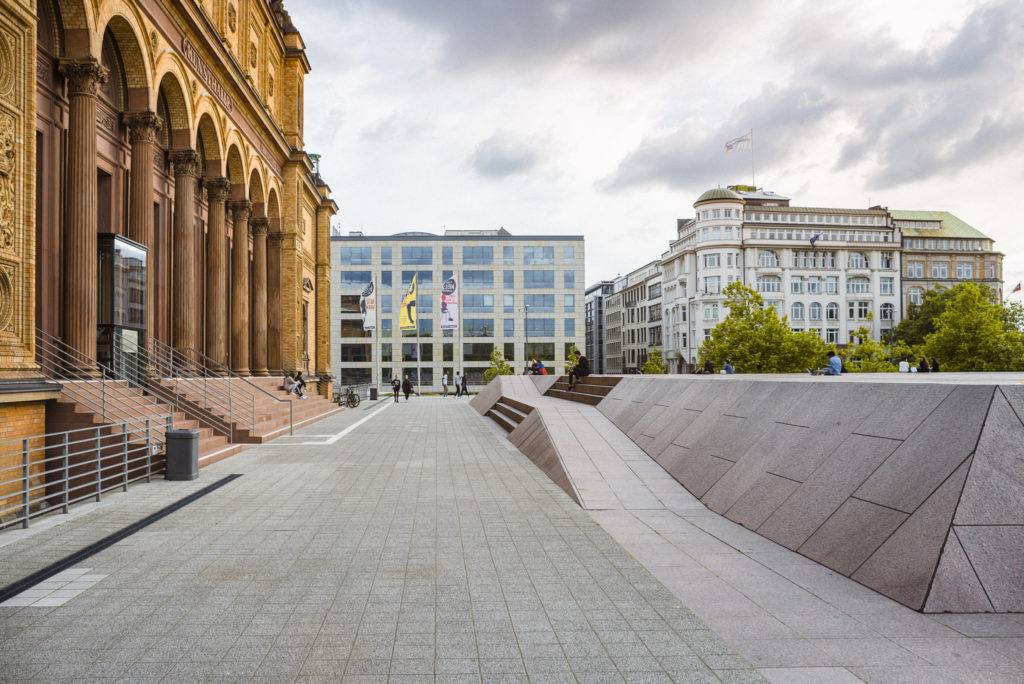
(797, 311)
(858, 286)
(857, 260)
(887, 312)
(915, 295)
(766, 257)
(832, 312)
(814, 311)
(769, 284)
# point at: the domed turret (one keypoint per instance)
(718, 194)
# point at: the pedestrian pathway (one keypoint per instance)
(417, 546)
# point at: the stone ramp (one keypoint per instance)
(914, 489)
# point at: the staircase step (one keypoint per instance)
(506, 424)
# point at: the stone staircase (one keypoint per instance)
(590, 390)
(509, 413)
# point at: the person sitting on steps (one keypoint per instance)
(580, 370)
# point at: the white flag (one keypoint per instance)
(744, 142)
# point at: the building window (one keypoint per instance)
(385, 304)
(796, 286)
(832, 335)
(447, 256)
(570, 279)
(964, 271)
(385, 278)
(569, 303)
(509, 279)
(713, 284)
(423, 278)
(886, 285)
(858, 310)
(766, 258)
(707, 333)
(569, 255)
(477, 351)
(887, 312)
(478, 327)
(385, 256)
(478, 278)
(508, 255)
(769, 284)
(858, 286)
(478, 256)
(538, 279)
(358, 279)
(538, 303)
(538, 256)
(712, 260)
(448, 352)
(711, 312)
(814, 311)
(417, 256)
(356, 256)
(857, 260)
(510, 327)
(478, 303)
(569, 327)
(886, 259)
(797, 311)
(814, 286)
(510, 351)
(832, 311)
(385, 352)
(540, 327)
(940, 269)
(385, 327)
(915, 295)
(915, 269)
(508, 303)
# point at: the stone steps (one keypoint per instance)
(509, 413)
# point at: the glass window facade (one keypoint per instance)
(538, 256)
(477, 256)
(539, 279)
(417, 256)
(356, 256)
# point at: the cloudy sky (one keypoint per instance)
(608, 118)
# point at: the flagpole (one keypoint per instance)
(418, 371)
(753, 178)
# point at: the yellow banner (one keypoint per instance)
(407, 316)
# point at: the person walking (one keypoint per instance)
(444, 384)
(407, 387)
(396, 387)
(465, 383)
(458, 385)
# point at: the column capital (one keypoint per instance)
(142, 126)
(217, 189)
(275, 237)
(185, 162)
(240, 209)
(259, 225)
(85, 76)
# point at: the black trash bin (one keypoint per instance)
(182, 455)
(373, 394)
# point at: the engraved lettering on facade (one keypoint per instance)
(209, 78)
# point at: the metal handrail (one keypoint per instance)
(58, 469)
(215, 370)
(136, 370)
(88, 382)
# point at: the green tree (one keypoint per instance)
(570, 358)
(654, 364)
(971, 334)
(868, 355)
(921, 319)
(499, 366)
(756, 340)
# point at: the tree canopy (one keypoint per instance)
(973, 333)
(654, 365)
(499, 366)
(756, 340)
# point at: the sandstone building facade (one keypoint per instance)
(177, 124)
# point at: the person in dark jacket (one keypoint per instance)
(709, 367)
(935, 365)
(465, 383)
(407, 387)
(923, 366)
(396, 387)
(579, 371)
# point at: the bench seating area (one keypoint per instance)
(590, 390)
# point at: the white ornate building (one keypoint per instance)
(830, 270)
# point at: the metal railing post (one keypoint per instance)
(99, 468)
(291, 418)
(66, 473)
(149, 453)
(124, 459)
(26, 494)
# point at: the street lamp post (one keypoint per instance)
(526, 330)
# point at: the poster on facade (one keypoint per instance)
(407, 316)
(450, 304)
(368, 307)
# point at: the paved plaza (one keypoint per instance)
(413, 542)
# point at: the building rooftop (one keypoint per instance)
(718, 194)
(935, 224)
(760, 196)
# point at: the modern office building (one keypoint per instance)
(940, 251)
(830, 270)
(594, 315)
(520, 294)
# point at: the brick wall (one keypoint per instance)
(18, 421)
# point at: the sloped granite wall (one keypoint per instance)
(894, 484)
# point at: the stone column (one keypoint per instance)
(142, 130)
(184, 332)
(274, 303)
(216, 272)
(80, 248)
(240, 287)
(259, 225)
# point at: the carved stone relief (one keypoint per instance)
(7, 177)
(8, 67)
